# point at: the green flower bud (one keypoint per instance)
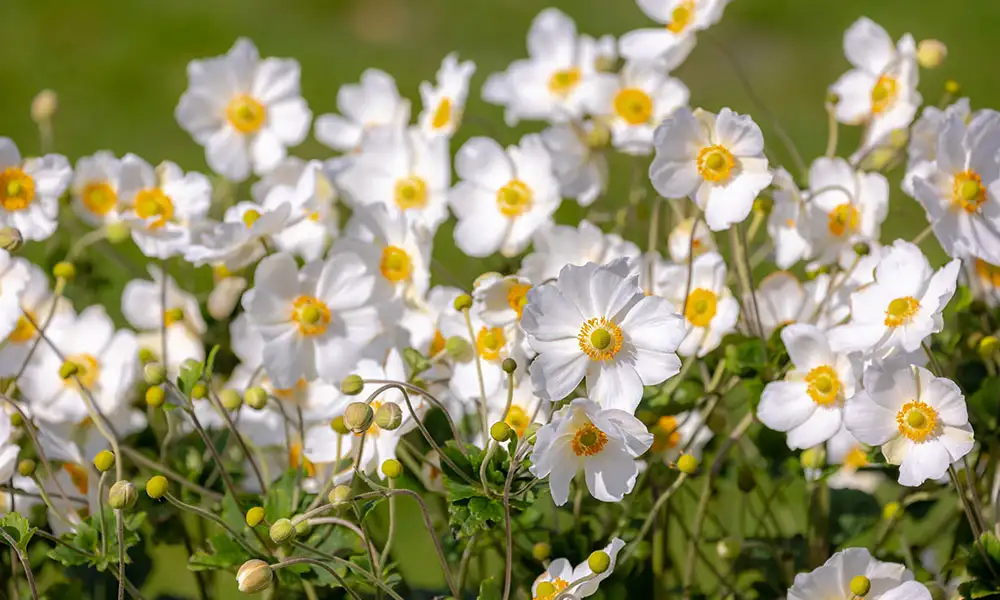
(952, 87)
(458, 347)
(358, 416)
(862, 249)
(352, 385)
(541, 551)
(302, 527)
(340, 495)
(860, 586)
(199, 391)
(931, 53)
(26, 468)
(389, 416)
(146, 355)
(338, 425)
(832, 98)
(745, 480)
(64, 270)
(117, 232)
(463, 302)
(122, 495)
(509, 365)
(281, 531)
(500, 431)
(254, 576)
(230, 399)
(687, 463)
(392, 468)
(155, 396)
(728, 548)
(599, 561)
(255, 516)
(104, 461)
(11, 239)
(157, 487)
(16, 419)
(154, 373)
(256, 398)
(68, 369)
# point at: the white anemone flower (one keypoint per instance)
(373, 102)
(685, 432)
(782, 300)
(902, 307)
(595, 323)
(577, 160)
(563, 577)
(718, 161)
(240, 240)
(315, 322)
(561, 245)
(14, 279)
(709, 309)
(689, 236)
(920, 421)
(922, 146)
(96, 187)
(784, 224)
(808, 403)
(30, 189)
(483, 351)
(244, 110)
(984, 281)
(889, 581)
(36, 301)
(444, 102)
(307, 187)
(681, 20)
(501, 300)
(603, 443)
(845, 450)
(504, 196)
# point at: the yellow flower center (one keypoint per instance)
(665, 434)
(24, 331)
(916, 420)
(701, 307)
(548, 590)
(173, 315)
(411, 192)
(442, 114)
(77, 475)
(634, 106)
(589, 440)
(884, 93)
(250, 217)
(99, 198)
(681, 16)
(517, 297)
(968, 192)
(295, 457)
(824, 385)
(289, 394)
(395, 264)
(88, 370)
(311, 314)
(489, 342)
(988, 274)
(565, 81)
(600, 338)
(715, 163)
(518, 420)
(901, 311)
(844, 218)
(152, 203)
(245, 113)
(514, 198)
(17, 189)
(437, 344)
(856, 459)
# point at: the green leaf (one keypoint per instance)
(366, 508)
(189, 375)
(279, 497)
(489, 589)
(984, 558)
(225, 552)
(746, 358)
(18, 528)
(210, 361)
(416, 362)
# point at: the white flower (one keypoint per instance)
(30, 190)
(96, 187)
(501, 300)
(580, 167)
(881, 88)
(636, 102)
(14, 278)
(673, 42)
(782, 300)
(373, 102)
(314, 322)
(240, 239)
(681, 244)
(525, 407)
(244, 110)
(561, 245)
(37, 303)
(902, 307)
(402, 170)
(595, 322)
(984, 281)
(844, 207)
(833, 579)
(923, 139)
(808, 403)
(845, 450)
(503, 197)
(603, 443)
(961, 193)
(444, 103)
(784, 224)
(717, 161)
(162, 205)
(305, 186)
(564, 576)
(709, 309)
(920, 421)
(492, 344)
(684, 432)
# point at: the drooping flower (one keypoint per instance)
(30, 190)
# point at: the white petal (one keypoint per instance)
(785, 405)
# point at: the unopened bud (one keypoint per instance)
(389, 416)
(952, 87)
(16, 420)
(122, 495)
(302, 527)
(340, 494)
(64, 270)
(500, 431)
(832, 98)
(281, 531)
(358, 416)
(157, 487)
(188, 366)
(224, 297)
(44, 106)
(155, 397)
(154, 373)
(352, 385)
(199, 391)
(11, 239)
(26, 468)
(104, 460)
(230, 399)
(763, 205)
(254, 576)
(728, 548)
(599, 561)
(687, 463)
(541, 551)
(988, 347)
(117, 232)
(255, 516)
(860, 586)
(862, 249)
(931, 53)
(256, 398)
(509, 365)
(392, 468)
(146, 355)
(463, 302)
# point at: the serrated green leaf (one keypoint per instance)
(416, 362)
(279, 497)
(18, 528)
(224, 552)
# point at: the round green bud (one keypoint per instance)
(952, 87)
(457, 347)
(860, 586)
(16, 419)
(545, 589)
(862, 249)
(599, 561)
(11, 239)
(509, 365)
(302, 528)
(340, 494)
(931, 53)
(389, 416)
(122, 495)
(463, 302)
(157, 487)
(117, 232)
(255, 516)
(230, 399)
(281, 531)
(338, 425)
(68, 369)
(199, 391)
(541, 551)
(64, 270)
(358, 416)
(352, 385)
(813, 458)
(155, 396)
(254, 576)
(392, 468)
(891, 511)
(728, 548)
(745, 480)
(500, 431)
(26, 468)
(154, 373)
(256, 398)
(146, 355)
(687, 463)
(988, 347)
(104, 460)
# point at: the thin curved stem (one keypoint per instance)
(652, 515)
(141, 459)
(312, 561)
(237, 537)
(24, 563)
(479, 374)
(121, 555)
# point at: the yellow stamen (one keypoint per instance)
(634, 106)
(968, 192)
(715, 163)
(395, 264)
(565, 81)
(901, 310)
(245, 113)
(17, 189)
(514, 198)
(152, 203)
(410, 192)
(824, 385)
(311, 314)
(916, 420)
(99, 198)
(600, 338)
(489, 342)
(589, 440)
(701, 307)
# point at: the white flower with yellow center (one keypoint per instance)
(307, 187)
(525, 407)
(162, 205)
(680, 20)
(680, 242)
(562, 577)
(843, 207)
(444, 103)
(709, 309)
(922, 146)
(784, 223)
(14, 278)
(881, 88)
(490, 343)
(373, 102)
(315, 323)
(845, 450)
(561, 245)
(603, 443)
(241, 239)
(96, 187)
(809, 402)
(403, 171)
(984, 281)
(636, 102)
(902, 307)
(244, 110)
(685, 432)
(920, 421)
(783, 300)
(596, 323)
(889, 581)
(504, 196)
(578, 159)
(501, 299)
(716, 161)
(35, 302)
(30, 190)
(961, 193)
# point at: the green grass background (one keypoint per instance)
(119, 69)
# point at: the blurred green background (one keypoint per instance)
(119, 69)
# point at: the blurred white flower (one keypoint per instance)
(30, 189)
(578, 160)
(444, 103)
(709, 309)
(96, 187)
(561, 245)
(784, 224)
(681, 244)
(307, 188)
(373, 102)
(681, 20)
